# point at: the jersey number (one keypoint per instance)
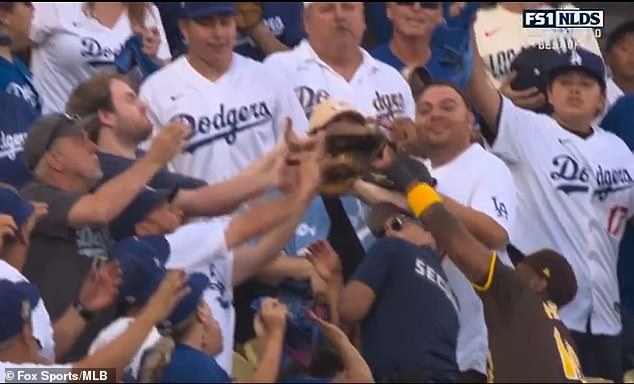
(618, 215)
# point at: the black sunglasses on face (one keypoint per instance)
(423, 4)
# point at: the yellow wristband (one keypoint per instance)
(422, 197)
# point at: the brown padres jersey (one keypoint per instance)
(527, 341)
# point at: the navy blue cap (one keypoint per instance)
(17, 301)
(201, 10)
(12, 204)
(533, 66)
(142, 205)
(579, 59)
(142, 262)
(197, 283)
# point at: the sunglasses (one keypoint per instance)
(423, 4)
(396, 224)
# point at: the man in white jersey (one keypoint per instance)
(575, 193)
(477, 188)
(235, 107)
(332, 64)
(70, 44)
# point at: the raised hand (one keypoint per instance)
(325, 259)
(169, 293)
(530, 98)
(273, 315)
(100, 288)
(168, 143)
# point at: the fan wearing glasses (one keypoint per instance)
(402, 273)
(422, 37)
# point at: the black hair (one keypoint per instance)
(618, 34)
(443, 83)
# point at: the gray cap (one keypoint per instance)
(46, 130)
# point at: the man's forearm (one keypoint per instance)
(373, 194)
(471, 256)
(269, 362)
(249, 260)
(482, 227)
(67, 330)
(286, 267)
(265, 39)
(221, 198)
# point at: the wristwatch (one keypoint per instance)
(84, 312)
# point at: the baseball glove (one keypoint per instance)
(351, 147)
(249, 14)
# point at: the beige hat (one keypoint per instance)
(326, 111)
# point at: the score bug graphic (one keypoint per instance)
(564, 18)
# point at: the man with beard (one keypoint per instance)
(123, 124)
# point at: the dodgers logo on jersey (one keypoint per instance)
(309, 97)
(388, 106)
(217, 284)
(24, 92)
(576, 178)
(96, 53)
(11, 144)
(225, 124)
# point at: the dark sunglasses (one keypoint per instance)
(396, 224)
(423, 4)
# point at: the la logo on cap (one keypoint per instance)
(575, 58)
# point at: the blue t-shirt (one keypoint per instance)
(619, 121)
(284, 20)
(16, 79)
(413, 323)
(16, 117)
(450, 59)
(189, 365)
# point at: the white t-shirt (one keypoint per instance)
(234, 120)
(70, 46)
(40, 320)
(376, 89)
(500, 37)
(60, 369)
(114, 330)
(201, 247)
(478, 180)
(575, 195)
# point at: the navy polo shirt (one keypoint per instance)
(413, 324)
(113, 165)
(16, 117)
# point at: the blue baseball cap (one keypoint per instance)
(142, 205)
(197, 283)
(17, 301)
(12, 204)
(201, 10)
(142, 262)
(579, 59)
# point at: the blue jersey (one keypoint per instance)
(16, 79)
(16, 117)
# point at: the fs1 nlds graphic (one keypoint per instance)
(564, 18)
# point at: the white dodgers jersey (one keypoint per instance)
(233, 120)
(376, 89)
(575, 196)
(70, 47)
(479, 180)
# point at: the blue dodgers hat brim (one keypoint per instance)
(12, 316)
(203, 10)
(197, 283)
(12, 204)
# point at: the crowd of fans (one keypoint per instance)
(163, 209)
